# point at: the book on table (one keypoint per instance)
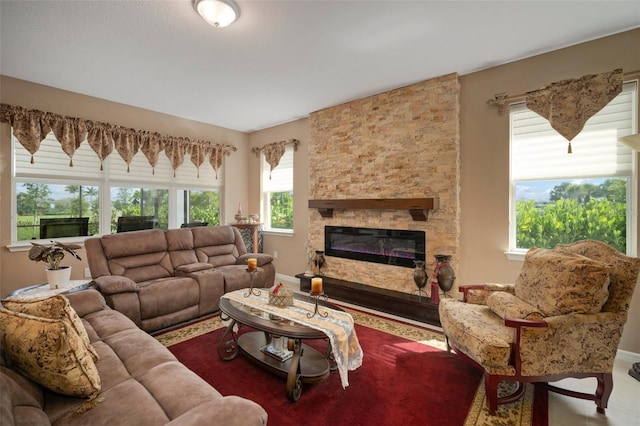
(281, 356)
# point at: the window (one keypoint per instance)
(277, 193)
(558, 197)
(54, 200)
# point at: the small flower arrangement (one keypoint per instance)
(52, 254)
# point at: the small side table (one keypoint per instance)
(251, 235)
(43, 290)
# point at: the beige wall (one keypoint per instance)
(484, 165)
(16, 270)
(485, 154)
(484, 161)
(291, 252)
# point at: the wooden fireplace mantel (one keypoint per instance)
(418, 207)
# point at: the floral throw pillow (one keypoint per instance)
(53, 307)
(50, 352)
(506, 305)
(560, 283)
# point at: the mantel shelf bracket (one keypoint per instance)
(417, 207)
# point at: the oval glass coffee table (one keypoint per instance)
(306, 365)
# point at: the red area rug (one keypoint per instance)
(401, 382)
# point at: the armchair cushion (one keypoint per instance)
(479, 333)
(623, 271)
(506, 305)
(559, 283)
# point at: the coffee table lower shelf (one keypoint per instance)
(305, 367)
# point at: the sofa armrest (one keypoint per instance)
(85, 302)
(262, 258)
(185, 270)
(114, 284)
(478, 293)
(228, 411)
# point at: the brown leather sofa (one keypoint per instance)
(159, 278)
(142, 383)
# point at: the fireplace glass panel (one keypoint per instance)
(386, 246)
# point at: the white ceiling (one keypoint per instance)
(282, 59)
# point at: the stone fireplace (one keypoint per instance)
(401, 144)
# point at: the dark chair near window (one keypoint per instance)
(135, 223)
(194, 224)
(64, 227)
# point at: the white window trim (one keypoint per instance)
(515, 254)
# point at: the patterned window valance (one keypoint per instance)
(568, 104)
(273, 152)
(30, 127)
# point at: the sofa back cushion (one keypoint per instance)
(218, 245)
(623, 271)
(180, 247)
(559, 283)
(138, 255)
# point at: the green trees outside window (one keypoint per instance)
(575, 212)
(201, 206)
(37, 201)
(281, 204)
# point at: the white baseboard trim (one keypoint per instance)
(632, 357)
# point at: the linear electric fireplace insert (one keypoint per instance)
(386, 246)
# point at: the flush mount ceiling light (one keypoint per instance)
(218, 13)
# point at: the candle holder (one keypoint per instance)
(316, 297)
(251, 291)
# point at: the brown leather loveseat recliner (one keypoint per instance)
(159, 278)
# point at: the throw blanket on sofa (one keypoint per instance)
(338, 327)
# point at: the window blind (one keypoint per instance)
(51, 161)
(281, 178)
(539, 152)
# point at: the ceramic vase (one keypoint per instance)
(59, 278)
(420, 274)
(444, 272)
(318, 261)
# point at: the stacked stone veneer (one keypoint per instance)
(399, 144)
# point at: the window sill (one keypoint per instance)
(19, 246)
(279, 232)
(515, 255)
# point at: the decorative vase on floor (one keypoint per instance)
(420, 277)
(318, 261)
(443, 277)
(59, 278)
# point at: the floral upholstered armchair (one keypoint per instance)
(562, 318)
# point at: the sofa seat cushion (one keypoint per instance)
(478, 332)
(168, 295)
(21, 401)
(506, 305)
(50, 352)
(560, 283)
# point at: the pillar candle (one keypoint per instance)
(316, 285)
(252, 263)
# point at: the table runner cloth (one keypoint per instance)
(338, 326)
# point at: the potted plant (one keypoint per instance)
(57, 276)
